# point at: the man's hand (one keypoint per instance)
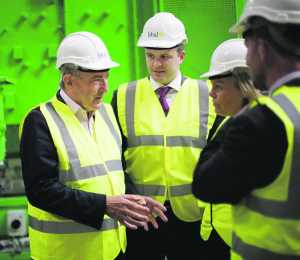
(156, 210)
(129, 210)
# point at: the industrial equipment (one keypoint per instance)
(30, 32)
(13, 218)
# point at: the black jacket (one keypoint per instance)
(40, 173)
(247, 154)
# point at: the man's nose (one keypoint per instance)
(212, 94)
(103, 86)
(157, 62)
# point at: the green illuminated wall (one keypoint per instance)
(239, 4)
(207, 24)
(31, 30)
(30, 37)
(112, 23)
(28, 40)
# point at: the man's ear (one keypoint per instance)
(67, 79)
(181, 55)
(263, 50)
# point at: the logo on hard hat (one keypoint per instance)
(155, 34)
(101, 55)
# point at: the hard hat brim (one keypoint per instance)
(205, 75)
(158, 44)
(100, 66)
(95, 67)
(211, 74)
(237, 28)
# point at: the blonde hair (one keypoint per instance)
(244, 82)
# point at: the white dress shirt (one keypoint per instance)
(175, 86)
(82, 115)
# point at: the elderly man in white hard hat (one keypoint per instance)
(165, 118)
(71, 163)
(259, 161)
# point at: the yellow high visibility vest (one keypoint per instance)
(163, 150)
(87, 164)
(266, 224)
(218, 216)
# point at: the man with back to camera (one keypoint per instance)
(258, 166)
(71, 164)
(164, 119)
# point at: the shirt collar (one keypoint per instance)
(283, 80)
(70, 102)
(174, 84)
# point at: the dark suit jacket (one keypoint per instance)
(40, 173)
(247, 154)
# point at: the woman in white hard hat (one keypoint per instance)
(231, 90)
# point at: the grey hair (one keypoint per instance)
(68, 68)
(244, 82)
(180, 47)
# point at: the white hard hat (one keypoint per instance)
(163, 30)
(86, 50)
(277, 11)
(227, 56)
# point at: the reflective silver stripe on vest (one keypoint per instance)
(82, 173)
(204, 110)
(249, 252)
(76, 172)
(181, 190)
(151, 190)
(146, 140)
(185, 141)
(130, 103)
(114, 165)
(87, 172)
(284, 209)
(111, 127)
(155, 140)
(159, 190)
(54, 227)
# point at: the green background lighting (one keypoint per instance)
(31, 30)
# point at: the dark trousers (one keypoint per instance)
(120, 256)
(176, 240)
(216, 248)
